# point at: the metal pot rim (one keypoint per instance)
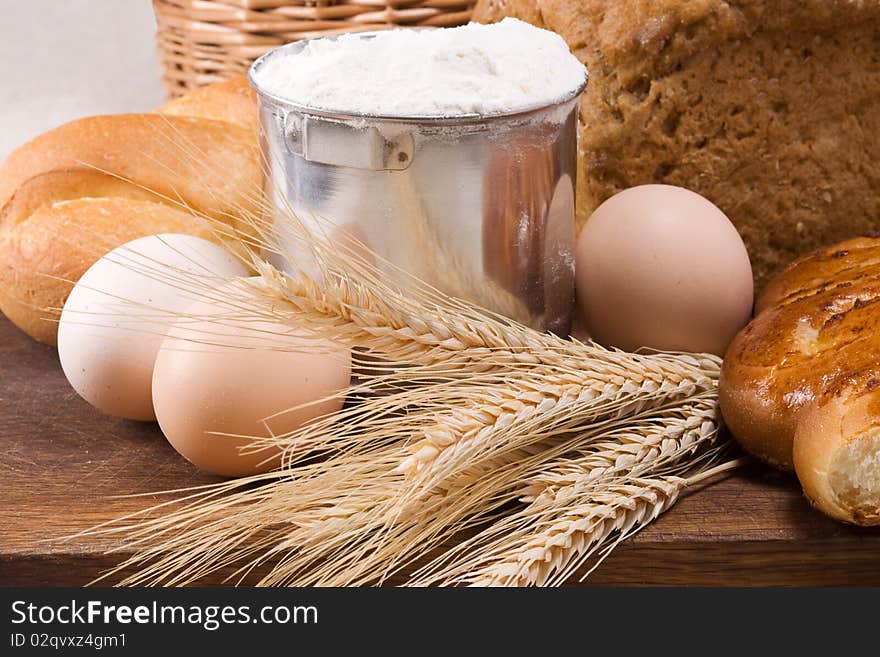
(460, 119)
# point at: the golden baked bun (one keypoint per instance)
(799, 384)
(837, 455)
(231, 101)
(78, 191)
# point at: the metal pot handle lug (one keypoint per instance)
(338, 143)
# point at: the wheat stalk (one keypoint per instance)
(378, 521)
(545, 543)
(461, 408)
(664, 438)
(556, 399)
(665, 441)
(356, 524)
(427, 519)
(574, 534)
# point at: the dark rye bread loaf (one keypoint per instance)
(769, 108)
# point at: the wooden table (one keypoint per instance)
(62, 464)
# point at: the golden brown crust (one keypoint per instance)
(757, 417)
(40, 256)
(812, 458)
(98, 182)
(824, 431)
(211, 165)
(232, 101)
(816, 335)
(492, 11)
(771, 110)
(800, 385)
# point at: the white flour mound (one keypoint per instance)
(473, 69)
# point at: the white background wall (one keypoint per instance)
(62, 59)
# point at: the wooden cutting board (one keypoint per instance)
(63, 468)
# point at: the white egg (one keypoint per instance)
(119, 311)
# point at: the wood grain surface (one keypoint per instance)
(65, 468)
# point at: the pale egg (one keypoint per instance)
(229, 373)
(662, 267)
(118, 312)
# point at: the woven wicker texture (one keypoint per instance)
(204, 41)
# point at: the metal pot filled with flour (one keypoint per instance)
(450, 153)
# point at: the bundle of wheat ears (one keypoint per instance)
(471, 448)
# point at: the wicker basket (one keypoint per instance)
(204, 41)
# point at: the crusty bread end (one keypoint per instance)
(837, 456)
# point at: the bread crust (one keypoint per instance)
(78, 191)
(771, 110)
(231, 101)
(816, 333)
(649, 35)
(41, 256)
(210, 165)
(824, 431)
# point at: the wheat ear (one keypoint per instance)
(348, 521)
(572, 536)
(665, 441)
(385, 526)
(353, 516)
(545, 401)
(397, 531)
(566, 531)
(666, 437)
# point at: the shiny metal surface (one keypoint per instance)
(481, 207)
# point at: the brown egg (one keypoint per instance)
(222, 377)
(662, 267)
